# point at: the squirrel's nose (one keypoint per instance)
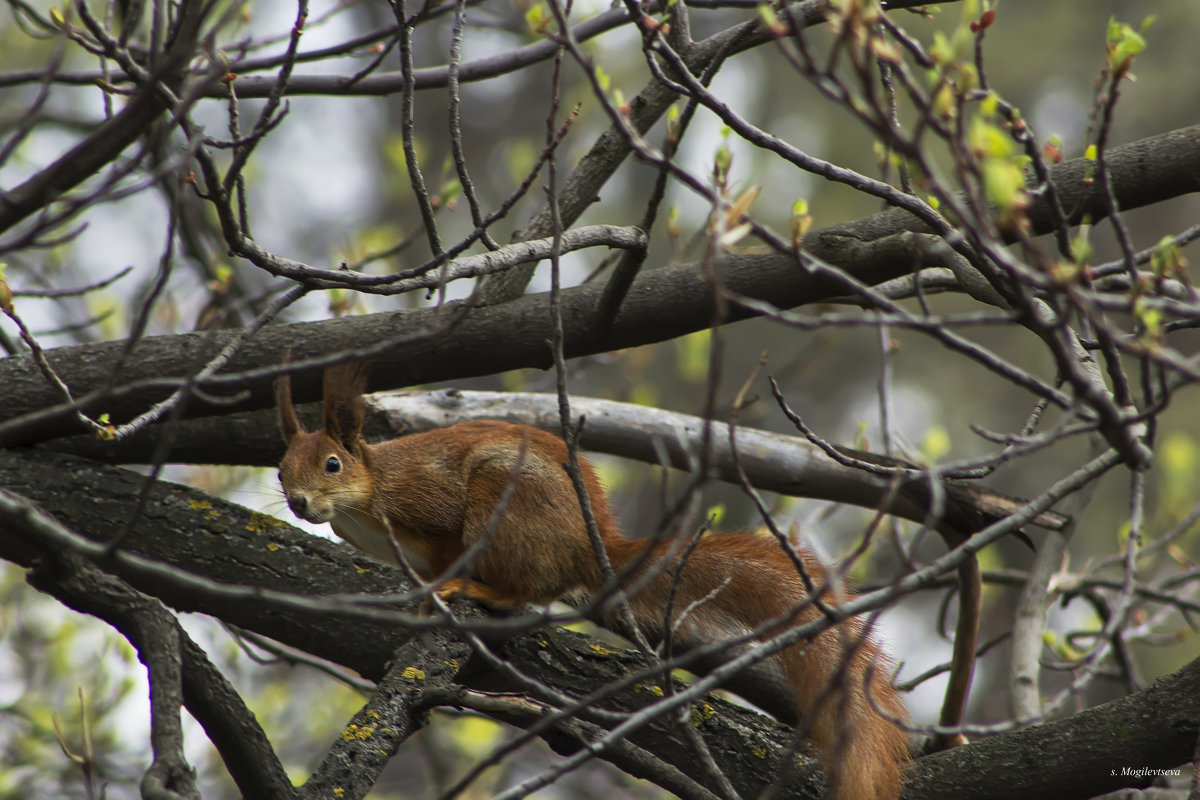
(298, 503)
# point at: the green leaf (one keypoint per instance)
(1167, 259)
(1124, 45)
(935, 444)
(989, 140)
(538, 18)
(1004, 183)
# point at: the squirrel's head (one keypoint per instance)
(326, 472)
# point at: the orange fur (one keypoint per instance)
(439, 493)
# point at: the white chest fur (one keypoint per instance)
(367, 534)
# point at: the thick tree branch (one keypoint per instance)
(771, 461)
(1155, 728)
(422, 674)
(662, 304)
(1087, 754)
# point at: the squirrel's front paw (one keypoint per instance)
(495, 599)
(454, 587)
(447, 591)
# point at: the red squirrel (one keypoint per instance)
(436, 494)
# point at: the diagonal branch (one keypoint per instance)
(111, 138)
(231, 727)
(422, 674)
(156, 634)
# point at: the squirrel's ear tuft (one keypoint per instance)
(289, 423)
(348, 429)
(344, 408)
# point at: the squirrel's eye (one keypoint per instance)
(332, 465)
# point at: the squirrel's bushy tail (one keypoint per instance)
(730, 584)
